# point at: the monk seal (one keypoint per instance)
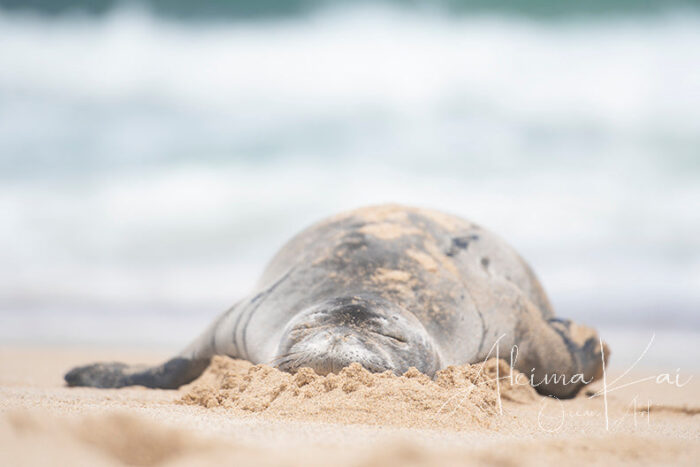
(390, 287)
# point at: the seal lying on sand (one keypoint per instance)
(390, 287)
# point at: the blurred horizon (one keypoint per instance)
(277, 9)
(154, 155)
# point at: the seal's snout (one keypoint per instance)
(377, 334)
(332, 349)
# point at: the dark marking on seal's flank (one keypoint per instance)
(460, 243)
(561, 321)
(562, 327)
(485, 262)
(355, 225)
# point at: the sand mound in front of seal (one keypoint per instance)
(459, 397)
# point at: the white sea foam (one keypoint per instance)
(153, 164)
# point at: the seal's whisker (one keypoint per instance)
(289, 360)
(279, 358)
(283, 360)
(298, 360)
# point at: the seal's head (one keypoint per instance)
(375, 333)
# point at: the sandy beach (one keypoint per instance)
(357, 420)
(322, 184)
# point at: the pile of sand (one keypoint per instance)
(459, 397)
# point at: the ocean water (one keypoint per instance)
(152, 159)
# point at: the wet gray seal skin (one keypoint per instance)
(390, 287)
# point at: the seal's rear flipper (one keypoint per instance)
(170, 375)
(561, 355)
(584, 345)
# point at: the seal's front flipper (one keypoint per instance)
(218, 339)
(170, 375)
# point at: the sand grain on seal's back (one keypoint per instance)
(459, 397)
